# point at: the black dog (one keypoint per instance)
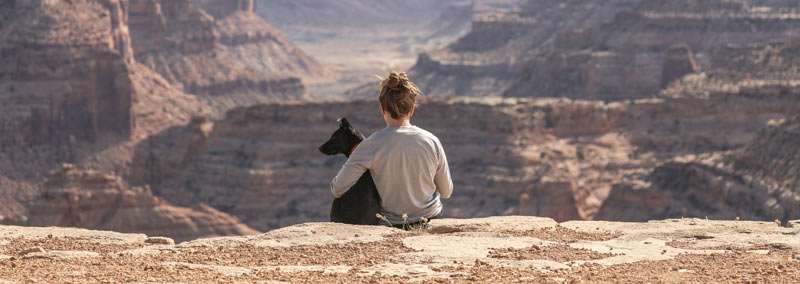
(361, 202)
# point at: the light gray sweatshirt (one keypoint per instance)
(409, 168)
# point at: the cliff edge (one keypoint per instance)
(494, 249)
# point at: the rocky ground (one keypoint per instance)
(495, 249)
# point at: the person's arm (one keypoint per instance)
(443, 181)
(356, 165)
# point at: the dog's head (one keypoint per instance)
(343, 140)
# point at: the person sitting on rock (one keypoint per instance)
(408, 163)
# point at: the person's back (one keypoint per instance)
(408, 164)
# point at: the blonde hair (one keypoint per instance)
(398, 95)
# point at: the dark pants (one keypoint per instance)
(418, 224)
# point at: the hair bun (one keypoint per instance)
(398, 95)
(396, 80)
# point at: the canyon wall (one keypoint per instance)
(219, 50)
(103, 84)
(71, 91)
(65, 82)
(607, 50)
(64, 79)
(756, 182)
(89, 199)
(557, 158)
(774, 154)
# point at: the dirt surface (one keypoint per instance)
(497, 250)
(562, 234)
(559, 253)
(19, 246)
(738, 267)
(325, 255)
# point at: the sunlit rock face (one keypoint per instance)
(90, 199)
(65, 82)
(71, 91)
(757, 182)
(64, 77)
(219, 50)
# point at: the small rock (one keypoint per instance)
(797, 257)
(159, 241)
(780, 246)
(32, 250)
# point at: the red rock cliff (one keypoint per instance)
(91, 199)
(65, 76)
(219, 50)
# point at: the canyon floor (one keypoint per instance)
(495, 249)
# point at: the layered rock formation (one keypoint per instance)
(600, 50)
(72, 92)
(558, 158)
(773, 156)
(220, 50)
(758, 69)
(65, 81)
(758, 182)
(91, 199)
(64, 78)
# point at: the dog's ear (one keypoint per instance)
(344, 123)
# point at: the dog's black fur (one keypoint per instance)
(361, 202)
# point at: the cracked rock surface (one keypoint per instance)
(496, 249)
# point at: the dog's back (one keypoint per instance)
(359, 205)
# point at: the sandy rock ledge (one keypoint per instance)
(489, 249)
